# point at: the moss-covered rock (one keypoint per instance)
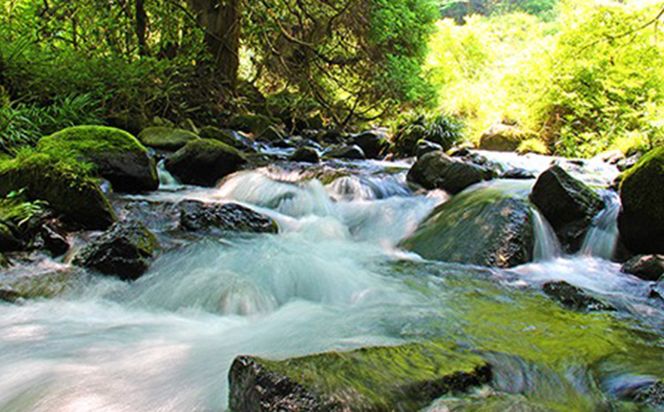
(203, 162)
(65, 185)
(116, 155)
(503, 138)
(166, 138)
(484, 227)
(398, 378)
(405, 141)
(641, 221)
(227, 136)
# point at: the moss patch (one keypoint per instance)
(166, 138)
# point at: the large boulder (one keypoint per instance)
(502, 138)
(641, 221)
(166, 138)
(198, 217)
(115, 154)
(203, 162)
(568, 204)
(398, 378)
(63, 184)
(436, 170)
(646, 267)
(125, 250)
(484, 226)
(373, 143)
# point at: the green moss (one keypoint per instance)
(84, 141)
(532, 146)
(380, 378)
(641, 185)
(166, 138)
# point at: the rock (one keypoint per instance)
(331, 136)
(53, 240)
(272, 134)
(125, 250)
(203, 162)
(373, 143)
(9, 240)
(482, 227)
(166, 138)
(346, 152)
(116, 155)
(64, 185)
(405, 141)
(305, 154)
(573, 298)
(9, 295)
(502, 138)
(646, 267)
(517, 173)
(425, 146)
(436, 170)
(227, 136)
(197, 216)
(641, 220)
(568, 204)
(36, 282)
(399, 378)
(251, 123)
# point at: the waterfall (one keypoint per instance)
(547, 246)
(166, 179)
(602, 237)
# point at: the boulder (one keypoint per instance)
(227, 136)
(251, 123)
(63, 184)
(436, 170)
(305, 154)
(125, 250)
(641, 220)
(502, 138)
(197, 216)
(568, 204)
(399, 378)
(574, 298)
(346, 152)
(166, 138)
(204, 161)
(115, 154)
(646, 267)
(373, 143)
(483, 227)
(425, 146)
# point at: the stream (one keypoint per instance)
(333, 278)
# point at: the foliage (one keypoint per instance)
(443, 129)
(16, 209)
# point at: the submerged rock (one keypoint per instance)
(482, 227)
(198, 216)
(116, 155)
(573, 298)
(646, 267)
(641, 221)
(203, 162)
(125, 251)
(436, 170)
(166, 138)
(399, 378)
(305, 154)
(568, 204)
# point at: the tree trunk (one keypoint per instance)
(141, 27)
(221, 21)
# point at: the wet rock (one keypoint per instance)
(9, 240)
(373, 143)
(502, 138)
(573, 298)
(125, 250)
(166, 138)
(346, 152)
(272, 134)
(53, 240)
(483, 227)
(517, 173)
(652, 395)
(641, 220)
(403, 378)
(305, 154)
(646, 267)
(425, 146)
(568, 204)
(436, 170)
(197, 216)
(203, 162)
(227, 136)
(36, 280)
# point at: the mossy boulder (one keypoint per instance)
(116, 155)
(398, 378)
(568, 204)
(485, 227)
(204, 161)
(227, 136)
(64, 185)
(503, 138)
(125, 250)
(166, 138)
(436, 170)
(641, 221)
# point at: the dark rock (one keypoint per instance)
(517, 174)
(346, 152)
(399, 378)
(481, 227)
(641, 220)
(198, 217)
(425, 146)
(568, 204)
(227, 136)
(573, 298)
(203, 162)
(125, 250)
(166, 138)
(9, 239)
(9, 295)
(436, 170)
(331, 136)
(373, 143)
(646, 267)
(502, 138)
(305, 154)
(53, 240)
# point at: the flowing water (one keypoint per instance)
(333, 278)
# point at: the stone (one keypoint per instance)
(197, 216)
(166, 138)
(646, 267)
(373, 143)
(305, 154)
(425, 146)
(502, 138)
(436, 170)
(204, 162)
(574, 298)
(346, 152)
